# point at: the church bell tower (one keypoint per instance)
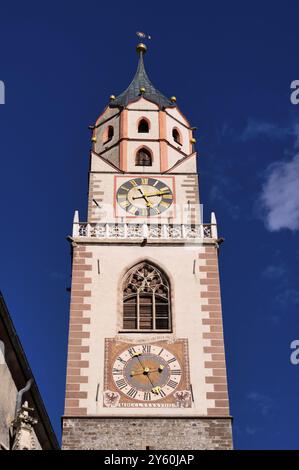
(146, 362)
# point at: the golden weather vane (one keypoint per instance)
(142, 35)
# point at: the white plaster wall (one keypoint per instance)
(142, 103)
(176, 113)
(100, 145)
(105, 317)
(133, 119)
(107, 113)
(184, 132)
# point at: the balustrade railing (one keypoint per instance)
(143, 230)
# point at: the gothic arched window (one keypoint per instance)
(143, 158)
(143, 126)
(176, 136)
(146, 299)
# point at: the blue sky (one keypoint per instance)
(230, 66)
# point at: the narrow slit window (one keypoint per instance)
(176, 136)
(108, 134)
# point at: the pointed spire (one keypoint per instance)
(141, 86)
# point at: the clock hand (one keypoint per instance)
(143, 197)
(150, 195)
(146, 371)
(161, 193)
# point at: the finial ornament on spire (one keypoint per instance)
(141, 85)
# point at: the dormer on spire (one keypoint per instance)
(141, 85)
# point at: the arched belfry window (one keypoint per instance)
(143, 127)
(146, 299)
(176, 136)
(108, 134)
(143, 158)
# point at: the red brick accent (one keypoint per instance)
(213, 332)
(78, 334)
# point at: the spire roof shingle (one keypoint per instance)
(139, 82)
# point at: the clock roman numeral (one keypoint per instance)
(120, 359)
(172, 384)
(146, 348)
(164, 204)
(133, 352)
(176, 372)
(171, 360)
(162, 394)
(117, 371)
(161, 352)
(147, 396)
(121, 383)
(124, 203)
(132, 392)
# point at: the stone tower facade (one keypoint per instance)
(146, 363)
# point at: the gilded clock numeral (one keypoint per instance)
(172, 384)
(124, 204)
(133, 183)
(121, 383)
(144, 180)
(164, 204)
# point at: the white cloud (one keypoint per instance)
(273, 272)
(287, 297)
(280, 195)
(263, 403)
(255, 129)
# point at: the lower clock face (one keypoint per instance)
(144, 196)
(146, 372)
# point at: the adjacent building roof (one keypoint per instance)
(21, 372)
(141, 82)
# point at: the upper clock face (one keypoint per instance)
(144, 196)
(146, 372)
